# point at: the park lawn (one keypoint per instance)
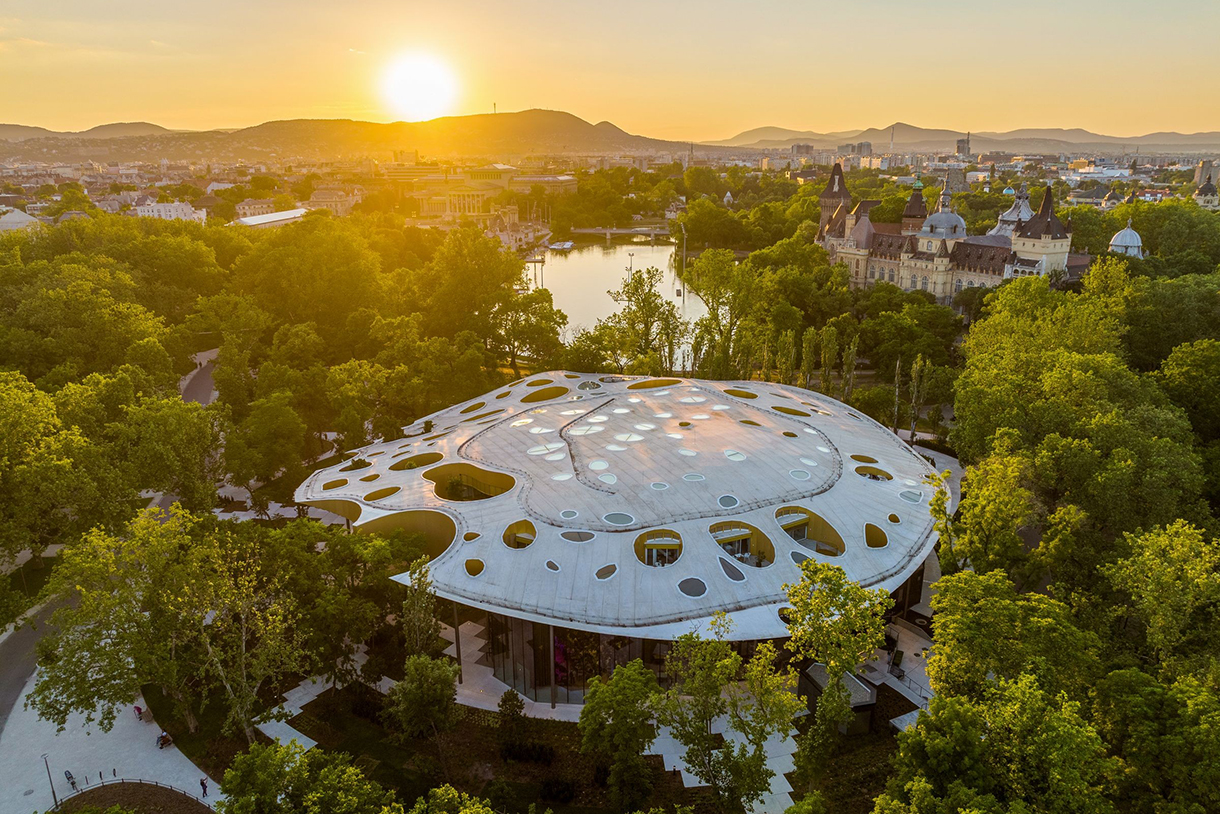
(210, 747)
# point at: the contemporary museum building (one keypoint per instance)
(584, 520)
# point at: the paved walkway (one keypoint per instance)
(127, 751)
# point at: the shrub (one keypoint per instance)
(557, 790)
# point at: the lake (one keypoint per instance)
(579, 279)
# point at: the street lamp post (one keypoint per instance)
(630, 262)
(54, 798)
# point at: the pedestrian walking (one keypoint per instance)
(139, 714)
(203, 784)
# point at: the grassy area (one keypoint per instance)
(141, 798)
(208, 747)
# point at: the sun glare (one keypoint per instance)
(419, 86)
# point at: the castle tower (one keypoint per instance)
(834, 196)
(916, 211)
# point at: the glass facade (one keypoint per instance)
(520, 655)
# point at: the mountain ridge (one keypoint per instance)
(907, 136)
(521, 133)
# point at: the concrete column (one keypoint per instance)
(457, 641)
(550, 630)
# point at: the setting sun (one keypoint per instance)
(418, 86)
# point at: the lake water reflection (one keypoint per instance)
(580, 279)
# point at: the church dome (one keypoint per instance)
(944, 223)
(1127, 241)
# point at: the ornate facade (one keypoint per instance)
(934, 253)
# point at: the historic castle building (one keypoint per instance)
(934, 253)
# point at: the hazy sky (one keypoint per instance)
(679, 69)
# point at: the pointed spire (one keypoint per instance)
(918, 181)
(946, 197)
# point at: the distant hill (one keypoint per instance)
(1033, 140)
(21, 132)
(528, 132)
(511, 135)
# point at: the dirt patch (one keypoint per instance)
(142, 798)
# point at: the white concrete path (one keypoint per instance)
(128, 750)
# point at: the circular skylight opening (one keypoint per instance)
(675, 435)
(598, 465)
(645, 427)
(606, 571)
(692, 399)
(693, 587)
(659, 486)
(474, 567)
(798, 557)
(689, 453)
(824, 449)
(895, 519)
(721, 407)
(693, 476)
(734, 455)
(727, 501)
(809, 462)
(543, 449)
(562, 476)
(540, 430)
(634, 400)
(551, 565)
(577, 536)
(799, 474)
(608, 478)
(521, 422)
(569, 514)
(618, 519)
(701, 416)
(629, 437)
(615, 448)
(598, 419)
(574, 412)
(621, 410)
(586, 429)
(588, 386)
(910, 495)
(555, 456)
(662, 415)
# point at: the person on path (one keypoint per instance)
(203, 784)
(139, 714)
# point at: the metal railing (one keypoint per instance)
(81, 789)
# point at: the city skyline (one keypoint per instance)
(683, 72)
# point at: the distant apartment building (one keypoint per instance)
(335, 200)
(179, 210)
(859, 148)
(255, 206)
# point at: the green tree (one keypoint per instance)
(704, 673)
(425, 700)
(986, 632)
(1173, 578)
(286, 779)
(616, 723)
(420, 628)
(834, 622)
